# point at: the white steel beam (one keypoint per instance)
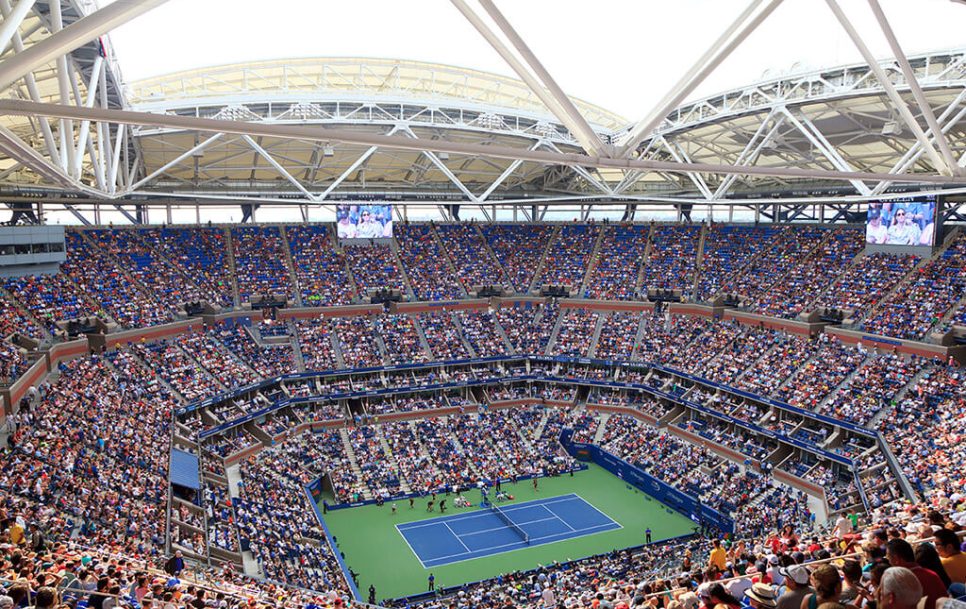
(581, 131)
(12, 21)
(71, 37)
(751, 151)
(915, 152)
(85, 129)
(447, 172)
(712, 58)
(576, 120)
(813, 135)
(32, 90)
(890, 89)
(15, 148)
(278, 167)
(316, 133)
(603, 188)
(679, 155)
(913, 83)
(187, 153)
(354, 166)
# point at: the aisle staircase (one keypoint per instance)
(595, 336)
(290, 265)
(354, 463)
(535, 280)
(593, 260)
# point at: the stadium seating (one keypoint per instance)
(617, 263)
(466, 247)
(260, 262)
(320, 270)
(426, 263)
(89, 461)
(519, 249)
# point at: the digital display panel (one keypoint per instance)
(363, 221)
(909, 222)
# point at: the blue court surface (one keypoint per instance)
(460, 537)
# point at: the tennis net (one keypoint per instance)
(508, 522)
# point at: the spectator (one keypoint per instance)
(900, 554)
(900, 588)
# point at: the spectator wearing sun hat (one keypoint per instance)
(761, 596)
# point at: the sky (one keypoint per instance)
(623, 55)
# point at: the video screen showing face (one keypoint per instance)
(909, 222)
(363, 221)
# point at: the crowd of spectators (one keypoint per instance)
(728, 248)
(565, 263)
(444, 336)
(52, 298)
(268, 361)
(97, 274)
(618, 262)
(860, 288)
(618, 335)
(426, 263)
(467, 249)
(519, 249)
(261, 267)
(401, 338)
(227, 369)
(803, 281)
(200, 254)
(919, 303)
(873, 387)
(575, 332)
(673, 257)
(278, 526)
(481, 332)
(528, 328)
(357, 341)
(100, 433)
(809, 386)
(320, 270)
(766, 269)
(168, 286)
(374, 267)
(315, 342)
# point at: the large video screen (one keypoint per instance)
(910, 222)
(363, 221)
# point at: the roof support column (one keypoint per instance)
(711, 59)
(913, 83)
(752, 149)
(915, 152)
(278, 167)
(71, 37)
(890, 89)
(12, 21)
(548, 91)
(811, 132)
(32, 90)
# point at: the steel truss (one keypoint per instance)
(304, 133)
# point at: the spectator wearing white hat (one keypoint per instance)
(796, 587)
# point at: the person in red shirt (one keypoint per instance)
(900, 554)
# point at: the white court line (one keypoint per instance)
(506, 527)
(406, 526)
(458, 538)
(415, 553)
(555, 516)
(593, 507)
(506, 545)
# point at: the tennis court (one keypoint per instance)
(450, 539)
